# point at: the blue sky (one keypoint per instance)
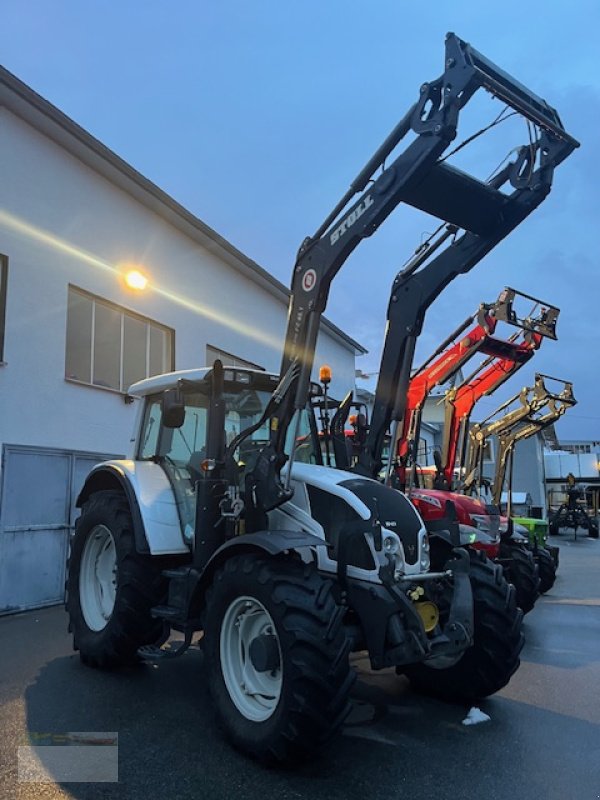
(256, 116)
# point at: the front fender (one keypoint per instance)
(272, 543)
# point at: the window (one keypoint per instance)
(227, 359)
(305, 446)
(111, 347)
(181, 451)
(3, 281)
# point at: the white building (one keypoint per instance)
(581, 459)
(73, 218)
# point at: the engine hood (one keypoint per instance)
(432, 504)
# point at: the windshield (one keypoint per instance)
(188, 443)
(304, 435)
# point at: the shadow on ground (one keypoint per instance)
(395, 743)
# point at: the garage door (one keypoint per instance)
(37, 514)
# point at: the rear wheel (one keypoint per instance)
(493, 658)
(546, 568)
(277, 655)
(554, 524)
(110, 587)
(521, 571)
(593, 530)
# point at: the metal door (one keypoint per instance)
(37, 513)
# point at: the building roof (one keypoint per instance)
(49, 120)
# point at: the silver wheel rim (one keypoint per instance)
(98, 578)
(255, 694)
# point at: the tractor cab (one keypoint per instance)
(176, 422)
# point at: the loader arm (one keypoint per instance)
(524, 415)
(460, 401)
(557, 405)
(419, 177)
(454, 353)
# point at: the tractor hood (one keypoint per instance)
(431, 504)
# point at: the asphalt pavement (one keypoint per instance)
(542, 741)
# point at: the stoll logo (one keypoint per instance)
(351, 218)
(308, 280)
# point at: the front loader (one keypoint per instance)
(214, 526)
(479, 523)
(495, 644)
(529, 412)
(504, 358)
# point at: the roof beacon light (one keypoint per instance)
(325, 374)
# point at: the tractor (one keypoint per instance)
(214, 528)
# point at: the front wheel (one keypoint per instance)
(277, 655)
(493, 658)
(547, 569)
(521, 571)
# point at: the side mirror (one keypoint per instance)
(173, 408)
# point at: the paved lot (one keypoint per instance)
(543, 740)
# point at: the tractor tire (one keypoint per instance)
(522, 572)
(110, 586)
(277, 657)
(593, 530)
(554, 526)
(546, 569)
(555, 553)
(493, 658)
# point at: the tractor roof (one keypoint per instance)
(169, 380)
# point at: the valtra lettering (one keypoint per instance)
(351, 219)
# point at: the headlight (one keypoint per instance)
(391, 545)
(393, 552)
(480, 521)
(486, 526)
(518, 538)
(469, 534)
(519, 534)
(424, 547)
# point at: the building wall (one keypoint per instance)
(62, 223)
(434, 410)
(584, 466)
(528, 473)
(583, 446)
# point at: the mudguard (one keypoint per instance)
(156, 524)
(272, 543)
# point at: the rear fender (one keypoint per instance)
(156, 524)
